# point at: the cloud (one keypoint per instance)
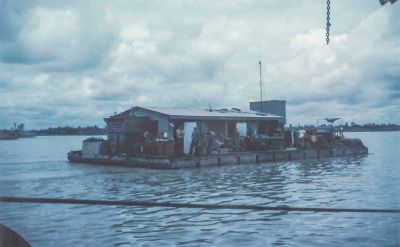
(59, 39)
(77, 62)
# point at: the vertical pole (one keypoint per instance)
(261, 98)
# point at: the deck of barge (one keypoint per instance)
(216, 159)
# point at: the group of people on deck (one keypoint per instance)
(206, 143)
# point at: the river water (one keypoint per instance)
(38, 167)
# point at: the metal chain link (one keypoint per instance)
(328, 18)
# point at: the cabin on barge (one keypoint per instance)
(140, 130)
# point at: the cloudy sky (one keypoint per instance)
(75, 62)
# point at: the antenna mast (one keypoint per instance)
(261, 89)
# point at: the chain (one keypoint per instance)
(328, 18)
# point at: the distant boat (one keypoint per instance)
(8, 136)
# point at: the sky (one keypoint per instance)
(76, 62)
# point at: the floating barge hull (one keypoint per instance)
(215, 160)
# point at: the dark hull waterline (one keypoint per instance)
(216, 159)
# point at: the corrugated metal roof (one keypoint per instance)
(194, 113)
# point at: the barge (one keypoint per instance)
(154, 162)
(173, 138)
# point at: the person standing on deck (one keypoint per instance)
(179, 141)
(236, 141)
(195, 141)
(210, 141)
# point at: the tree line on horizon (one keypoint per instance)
(68, 130)
(370, 127)
(367, 127)
(95, 130)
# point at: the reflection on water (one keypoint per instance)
(38, 168)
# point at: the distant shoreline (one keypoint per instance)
(104, 134)
(99, 131)
(370, 130)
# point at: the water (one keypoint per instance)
(38, 168)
